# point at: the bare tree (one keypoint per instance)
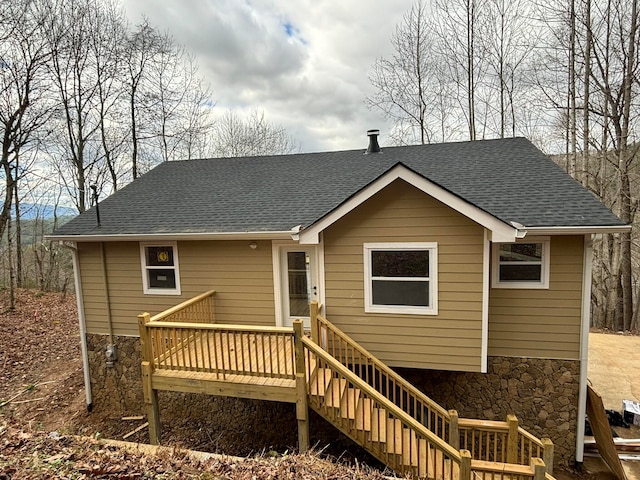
(403, 82)
(508, 37)
(168, 102)
(458, 31)
(77, 83)
(24, 103)
(237, 136)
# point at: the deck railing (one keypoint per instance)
(218, 349)
(199, 309)
(505, 442)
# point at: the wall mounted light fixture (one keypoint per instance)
(253, 245)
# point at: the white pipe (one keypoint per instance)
(584, 345)
(81, 320)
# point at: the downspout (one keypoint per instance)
(81, 320)
(584, 345)
(486, 266)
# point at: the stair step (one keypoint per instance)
(320, 381)
(333, 395)
(349, 403)
(378, 425)
(363, 414)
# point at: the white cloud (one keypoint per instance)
(304, 62)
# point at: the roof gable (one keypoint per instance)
(500, 231)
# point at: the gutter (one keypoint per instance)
(137, 237)
(578, 230)
(81, 320)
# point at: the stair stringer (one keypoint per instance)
(375, 423)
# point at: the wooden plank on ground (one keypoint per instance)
(602, 433)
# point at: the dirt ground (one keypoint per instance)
(42, 390)
(614, 372)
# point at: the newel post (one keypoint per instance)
(547, 456)
(454, 430)
(539, 469)
(212, 306)
(150, 395)
(512, 439)
(465, 465)
(302, 409)
(313, 314)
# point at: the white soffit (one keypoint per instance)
(500, 231)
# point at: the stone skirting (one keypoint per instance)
(543, 394)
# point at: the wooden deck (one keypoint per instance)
(341, 381)
(226, 360)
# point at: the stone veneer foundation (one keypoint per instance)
(542, 393)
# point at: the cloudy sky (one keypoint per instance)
(304, 62)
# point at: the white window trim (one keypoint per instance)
(432, 248)
(145, 278)
(544, 277)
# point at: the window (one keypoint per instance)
(401, 278)
(524, 264)
(160, 274)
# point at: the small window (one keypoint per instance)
(160, 274)
(401, 278)
(523, 264)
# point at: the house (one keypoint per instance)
(464, 266)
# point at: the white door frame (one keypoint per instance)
(279, 295)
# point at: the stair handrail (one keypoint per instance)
(387, 404)
(318, 321)
(203, 302)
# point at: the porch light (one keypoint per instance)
(253, 245)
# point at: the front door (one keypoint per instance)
(299, 282)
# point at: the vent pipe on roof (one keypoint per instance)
(95, 200)
(373, 147)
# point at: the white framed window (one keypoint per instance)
(160, 271)
(523, 264)
(401, 278)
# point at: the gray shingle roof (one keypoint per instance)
(508, 178)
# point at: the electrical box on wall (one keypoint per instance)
(111, 355)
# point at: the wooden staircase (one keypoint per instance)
(372, 421)
(398, 424)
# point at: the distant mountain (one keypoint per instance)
(31, 211)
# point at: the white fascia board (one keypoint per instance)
(500, 230)
(172, 236)
(579, 230)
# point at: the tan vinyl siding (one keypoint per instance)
(450, 340)
(94, 297)
(542, 323)
(242, 278)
